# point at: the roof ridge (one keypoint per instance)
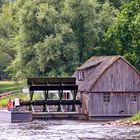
(95, 60)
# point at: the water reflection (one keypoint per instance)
(67, 130)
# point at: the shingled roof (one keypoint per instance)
(99, 65)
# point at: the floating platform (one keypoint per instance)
(15, 117)
(28, 116)
(59, 116)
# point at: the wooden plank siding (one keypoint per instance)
(120, 105)
(118, 77)
(85, 102)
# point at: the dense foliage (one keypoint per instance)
(123, 37)
(52, 38)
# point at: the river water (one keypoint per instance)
(67, 130)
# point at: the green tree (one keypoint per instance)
(116, 3)
(51, 38)
(123, 37)
(45, 42)
(8, 31)
(57, 54)
(90, 22)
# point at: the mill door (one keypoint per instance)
(133, 104)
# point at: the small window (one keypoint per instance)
(80, 75)
(106, 97)
(133, 98)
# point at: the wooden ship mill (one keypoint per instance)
(104, 87)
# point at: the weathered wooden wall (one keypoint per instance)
(85, 103)
(119, 77)
(119, 105)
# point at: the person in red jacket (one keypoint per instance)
(9, 105)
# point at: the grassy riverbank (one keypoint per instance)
(135, 117)
(13, 87)
(10, 86)
(135, 120)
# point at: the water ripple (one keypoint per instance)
(67, 130)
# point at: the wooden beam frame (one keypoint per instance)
(53, 87)
(53, 84)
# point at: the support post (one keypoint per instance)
(45, 96)
(74, 99)
(31, 108)
(60, 107)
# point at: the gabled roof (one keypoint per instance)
(99, 65)
(92, 62)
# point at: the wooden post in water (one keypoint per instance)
(45, 107)
(31, 108)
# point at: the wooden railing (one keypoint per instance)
(4, 95)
